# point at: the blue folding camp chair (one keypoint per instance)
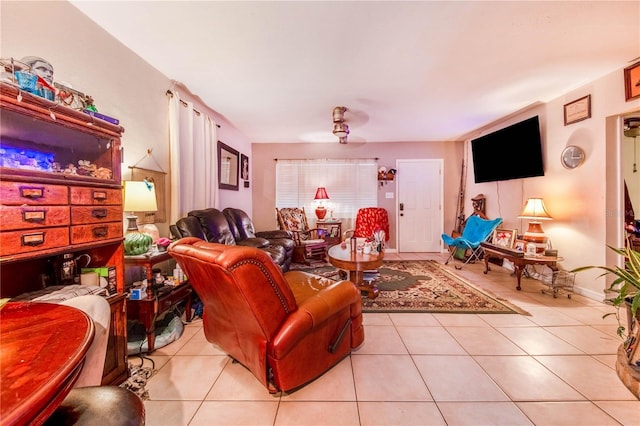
(476, 231)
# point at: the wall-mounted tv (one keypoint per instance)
(514, 152)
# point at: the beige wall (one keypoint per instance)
(584, 202)
(124, 86)
(264, 166)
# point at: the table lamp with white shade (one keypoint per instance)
(535, 210)
(139, 196)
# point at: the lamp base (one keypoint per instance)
(535, 234)
(135, 242)
(321, 212)
(152, 230)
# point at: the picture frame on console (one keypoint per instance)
(504, 237)
(519, 245)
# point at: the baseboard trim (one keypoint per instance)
(589, 293)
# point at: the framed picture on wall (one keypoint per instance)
(157, 178)
(577, 110)
(228, 159)
(244, 167)
(632, 82)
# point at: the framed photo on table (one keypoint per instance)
(504, 237)
(632, 82)
(519, 245)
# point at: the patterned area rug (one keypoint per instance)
(422, 286)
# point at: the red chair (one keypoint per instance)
(369, 220)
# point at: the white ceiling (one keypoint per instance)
(406, 71)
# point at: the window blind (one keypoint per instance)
(350, 183)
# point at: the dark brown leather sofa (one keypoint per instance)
(214, 226)
(243, 229)
(286, 328)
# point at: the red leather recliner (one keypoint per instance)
(286, 328)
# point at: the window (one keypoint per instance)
(350, 183)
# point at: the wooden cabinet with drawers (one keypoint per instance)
(60, 193)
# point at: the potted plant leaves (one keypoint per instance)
(626, 286)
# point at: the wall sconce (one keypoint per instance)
(321, 194)
(535, 210)
(139, 196)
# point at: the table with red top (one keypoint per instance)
(42, 347)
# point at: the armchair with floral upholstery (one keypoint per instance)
(309, 244)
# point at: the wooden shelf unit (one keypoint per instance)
(48, 212)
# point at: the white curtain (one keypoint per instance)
(192, 139)
(350, 184)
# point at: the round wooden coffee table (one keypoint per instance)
(356, 264)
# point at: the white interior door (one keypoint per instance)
(419, 209)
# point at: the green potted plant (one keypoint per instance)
(625, 287)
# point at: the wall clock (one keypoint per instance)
(572, 157)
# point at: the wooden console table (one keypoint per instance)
(518, 258)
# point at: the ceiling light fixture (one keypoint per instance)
(338, 114)
(340, 128)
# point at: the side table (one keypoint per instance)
(356, 264)
(332, 231)
(147, 261)
(148, 309)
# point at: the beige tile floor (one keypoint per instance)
(553, 367)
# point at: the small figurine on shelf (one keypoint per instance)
(40, 67)
(89, 105)
(43, 70)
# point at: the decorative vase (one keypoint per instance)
(136, 243)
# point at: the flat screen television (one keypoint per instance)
(513, 152)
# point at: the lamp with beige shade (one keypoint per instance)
(535, 210)
(139, 196)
